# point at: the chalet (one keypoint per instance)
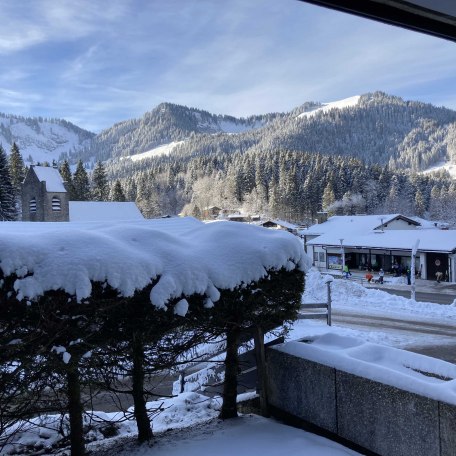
(45, 199)
(211, 212)
(237, 218)
(379, 241)
(280, 225)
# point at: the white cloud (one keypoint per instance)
(29, 23)
(105, 61)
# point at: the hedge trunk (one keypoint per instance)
(229, 407)
(141, 416)
(75, 412)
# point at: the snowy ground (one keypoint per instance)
(247, 435)
(350, 296)
(195, 416)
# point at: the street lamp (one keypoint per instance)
(412, 270)
(343, 253)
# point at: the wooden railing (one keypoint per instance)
(305, 314)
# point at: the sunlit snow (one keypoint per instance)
(345, 103)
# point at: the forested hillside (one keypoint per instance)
(378, 129)
(42, 140)
(363, 156)
(289, 185)
(164, 124)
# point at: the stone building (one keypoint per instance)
(44, 196)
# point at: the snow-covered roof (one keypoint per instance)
(285, 224)
(430, 224)
(430, 240)
(52, 177)
(186, 256)
(343, 225)
(98, 211)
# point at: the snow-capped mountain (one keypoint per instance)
(325, 107)
(41, 140)
(165, 126)
(375, 127)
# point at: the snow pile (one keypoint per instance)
(186, 256)
(351, 295)
(41, 434)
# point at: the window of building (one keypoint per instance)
(322, 257)
(56, 203)
(32, 205)
(315, 256)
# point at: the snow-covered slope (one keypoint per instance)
(442, 166)
(41, 140)
(165, 149)
(345, 103)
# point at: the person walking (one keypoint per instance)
(381, 274)
(409, 282)
(346, 271)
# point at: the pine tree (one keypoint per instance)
(420, 206)
(65, 172)
(17, 172)
(328, 196)
(435, 204)
(100, 188)
(17, 167)
(81, 183)
(117, 192)
(8, 209)
(392, 201)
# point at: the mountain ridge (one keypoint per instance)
(40, 139)
(375, 127)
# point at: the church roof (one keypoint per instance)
(52, 177)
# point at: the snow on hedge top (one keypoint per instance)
(187, 256)
(52, 177)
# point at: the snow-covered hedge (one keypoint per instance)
(186, 256)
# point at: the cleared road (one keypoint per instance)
(446, 351)
(422, 296)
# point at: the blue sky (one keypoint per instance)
(95, 63)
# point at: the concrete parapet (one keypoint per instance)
(308, 397)
(380, 418)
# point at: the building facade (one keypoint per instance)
(383, 241)
(44, 196)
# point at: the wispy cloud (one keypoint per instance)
(109, 60)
